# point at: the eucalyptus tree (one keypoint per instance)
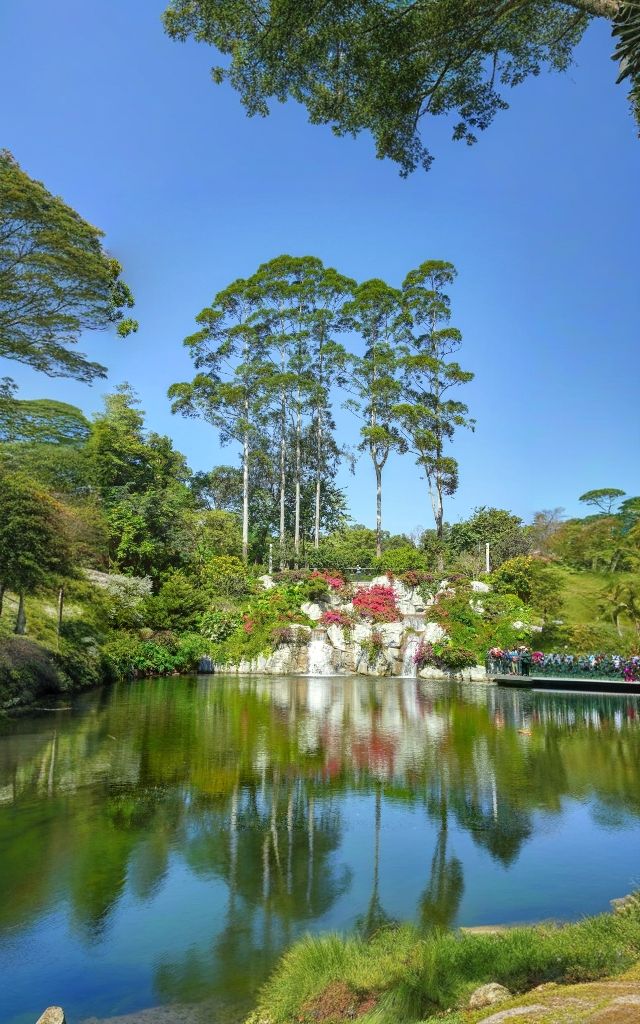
(386, 66)
(429, 417)
(283, 285)
(229, 389)
(56, 279)
(300, 321)
(376, 313)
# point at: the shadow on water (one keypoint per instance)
(163, 842)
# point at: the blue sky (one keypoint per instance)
(541, 219)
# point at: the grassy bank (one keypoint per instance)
(399, 975)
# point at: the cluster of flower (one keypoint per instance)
(333, 581)
(377, 603)
(333, 617)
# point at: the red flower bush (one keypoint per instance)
(377, 603)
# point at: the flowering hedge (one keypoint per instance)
(377, 603)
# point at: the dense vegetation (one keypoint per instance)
(117, 560)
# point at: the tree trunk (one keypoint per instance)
(378, 510)
(21, 621)
(245, 497)
(316, 524)
(60, 608)
(283, 478)
(296, 536)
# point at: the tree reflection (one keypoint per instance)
(242, 785)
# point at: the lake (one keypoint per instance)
(162, 842)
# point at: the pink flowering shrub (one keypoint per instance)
(332, 579)
(377, 603)
(333, 617)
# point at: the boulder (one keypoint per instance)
(312, 610)
(392, 633)
(362, 631)
(432, 633)
(52, 1015)
(267, 582)
(488, 995)
(479, 587)
(336, 637)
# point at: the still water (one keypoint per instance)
(162, 842)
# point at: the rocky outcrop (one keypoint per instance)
(364, 648)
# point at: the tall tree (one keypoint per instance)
(375, 313)
(33, 544)
(604, 499)
(386, 66)
(56, 279)
(428, 415)
(229, 389)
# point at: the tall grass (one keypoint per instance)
(413, 976)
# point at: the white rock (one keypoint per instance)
(314, 611)
(433, 633)
(391, 633)
(479, 587)
(336, 637)
(362, 631)
(267, 582)
(488, 995)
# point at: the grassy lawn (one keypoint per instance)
(400, 975)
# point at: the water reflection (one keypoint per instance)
(176, 835)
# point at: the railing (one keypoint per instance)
(608, 666)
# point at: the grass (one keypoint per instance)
(402, 976)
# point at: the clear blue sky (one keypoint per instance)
(541, 218)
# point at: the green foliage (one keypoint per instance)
(400, 560)
(218, 626)
(128, 655)
(501, 529)
(533, 581)
(412, 976)
(177, 605)
(429, 416)
(603, 498)
(33, 545)
(226, 576)
(56, 280)
(398, 63)
(475, 623)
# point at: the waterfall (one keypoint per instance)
(320, 655)
(408, 664)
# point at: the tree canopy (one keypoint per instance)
(385, 66)
(56, 279)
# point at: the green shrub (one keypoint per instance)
(226, 576)
(399, 560)
(128, 655)
(177, 605)
(533, 581)
(218, 626)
